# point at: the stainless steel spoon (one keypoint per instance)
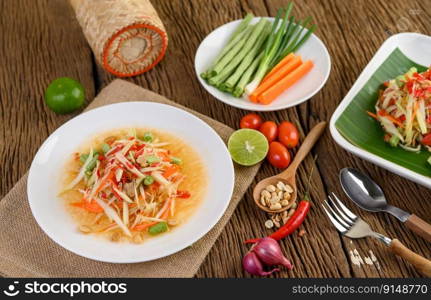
(365, 193)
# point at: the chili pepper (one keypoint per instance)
(292, 224)
(183, 194)
(296, 219)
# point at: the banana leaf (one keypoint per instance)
(364, 132)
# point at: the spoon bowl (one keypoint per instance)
(366, 193)
(288, 176)
(273, 180)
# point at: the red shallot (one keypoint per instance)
(269, 252)
(253, 265)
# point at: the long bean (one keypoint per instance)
(246, 77)
(248, 59)
(222, 69)
(233, 40)
(231, 53)
(242, 26)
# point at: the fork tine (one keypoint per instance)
(340, 212)
(337, 225)
(344, 208)
(336, 216)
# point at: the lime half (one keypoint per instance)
(247, 146)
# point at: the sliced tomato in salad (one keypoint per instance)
(426, 140)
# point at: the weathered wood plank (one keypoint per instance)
(39, 42)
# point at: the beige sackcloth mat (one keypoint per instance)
(26, 251)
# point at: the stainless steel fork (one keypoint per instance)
(354, 227)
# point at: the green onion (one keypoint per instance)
(148, 180)
(152, 159)
(271, 48)
(105, 148)
(291, 28)
(148, 137)
(293, 43)
(429, 160)
(158, 228)
(176, 160)
(304, 38)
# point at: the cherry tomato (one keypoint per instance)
(269, 129)
(252, 121)
(426, 140)
(288, 134)
(278, 156)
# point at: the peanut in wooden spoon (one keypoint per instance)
(288, 176)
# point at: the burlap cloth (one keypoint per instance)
(25, 251)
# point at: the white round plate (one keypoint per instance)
(50, 212)
(304, 89)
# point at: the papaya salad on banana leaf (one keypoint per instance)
(404, 110)
(133, 184)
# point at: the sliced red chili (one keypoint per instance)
(183, 194)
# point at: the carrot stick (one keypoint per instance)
(171, 170)
(143, 226)
(283, 62)
(276, 76)
(274, 91)
(372, 115)
(92, 206)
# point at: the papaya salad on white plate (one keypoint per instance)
(403, 109)
(130, 182)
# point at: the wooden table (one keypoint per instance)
(41, 40)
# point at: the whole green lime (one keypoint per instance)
(64, 95)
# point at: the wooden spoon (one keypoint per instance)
(288, 175)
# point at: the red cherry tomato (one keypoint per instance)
(288, 134)
(426, 140)
(252, 121)
(278, 156)
(269, 129)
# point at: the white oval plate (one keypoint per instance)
(307, 87)
(416, 47)
(50, 212)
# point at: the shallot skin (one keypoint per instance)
(253, 265)
(269, 252)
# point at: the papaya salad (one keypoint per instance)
(130, 185)
(403, 109)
